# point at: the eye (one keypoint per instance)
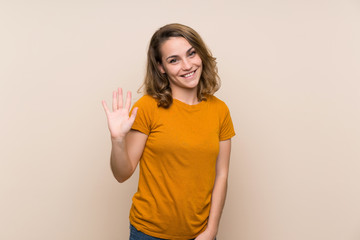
(173, 60)
(192, 53)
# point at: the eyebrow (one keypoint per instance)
(172, 56)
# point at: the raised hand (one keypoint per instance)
(119, 122)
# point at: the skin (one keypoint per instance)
(127, 144)
(178, 59)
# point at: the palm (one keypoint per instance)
(119, 122)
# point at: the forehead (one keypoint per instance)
(174, 46)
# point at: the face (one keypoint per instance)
(181, 63)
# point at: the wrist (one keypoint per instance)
(211, 231)
(118, 139)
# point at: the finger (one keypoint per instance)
(120, 98)
(114, 103)
(105, 107)
(133, 114)
(128, 101)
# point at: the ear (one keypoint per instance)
(160, 67)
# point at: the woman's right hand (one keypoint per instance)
(119, 122)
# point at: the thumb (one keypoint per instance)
(133, 114)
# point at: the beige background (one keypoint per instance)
(290, 73)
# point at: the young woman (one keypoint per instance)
(181, 135)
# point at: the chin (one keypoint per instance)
(193, 84)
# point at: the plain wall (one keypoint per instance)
(290, 75)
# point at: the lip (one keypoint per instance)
(183, 75)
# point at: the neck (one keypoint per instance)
(186, 96)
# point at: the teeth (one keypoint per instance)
(189, 74)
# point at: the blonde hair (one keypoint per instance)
(156, 84)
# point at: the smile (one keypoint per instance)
(189, 74)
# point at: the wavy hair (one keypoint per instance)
(156, 84)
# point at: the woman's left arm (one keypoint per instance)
(219, 191)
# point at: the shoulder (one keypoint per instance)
(215, 101)
(147, 108)
(226, 125)
(146, 101)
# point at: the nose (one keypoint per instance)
(186, 64)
